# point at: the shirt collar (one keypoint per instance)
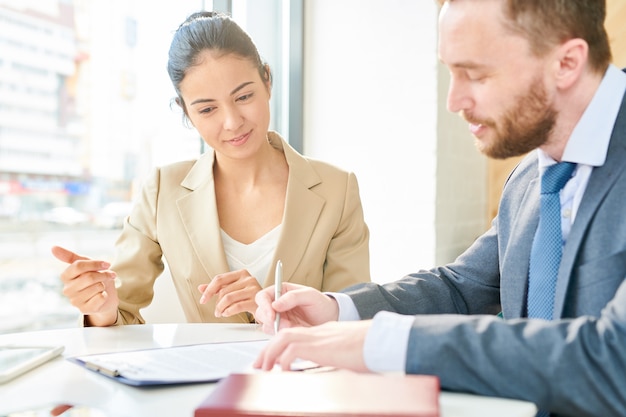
(589, 142)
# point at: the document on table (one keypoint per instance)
(208, 362)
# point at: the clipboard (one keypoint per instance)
(188, 364)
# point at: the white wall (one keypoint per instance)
(370, 95)
(461, 182)
(375, 104)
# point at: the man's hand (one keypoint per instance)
(336, 344)
(298, 305)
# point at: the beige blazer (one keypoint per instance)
(324, 241)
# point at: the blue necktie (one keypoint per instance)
(545, 255)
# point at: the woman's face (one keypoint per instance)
(228, 103)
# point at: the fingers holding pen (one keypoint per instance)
(264, 313)
(298, 305)
(268, 307)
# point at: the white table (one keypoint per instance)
(62, 382)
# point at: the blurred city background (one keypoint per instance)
(85, 112)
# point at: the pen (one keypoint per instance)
(278, 289)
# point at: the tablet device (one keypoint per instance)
(16, 360)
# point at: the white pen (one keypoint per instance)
(278, 289)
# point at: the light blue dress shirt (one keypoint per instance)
(386, 342)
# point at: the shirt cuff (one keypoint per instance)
(386, 342)
(347, 309)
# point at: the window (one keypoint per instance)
(84, 114)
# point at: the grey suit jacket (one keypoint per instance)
(324, 242)
(575, 365)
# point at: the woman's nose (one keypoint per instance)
(233, 118)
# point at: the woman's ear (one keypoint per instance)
(573, 58)
(180, 103)
(268, 79)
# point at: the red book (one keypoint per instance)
(328, 394)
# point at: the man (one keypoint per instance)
(529, 76)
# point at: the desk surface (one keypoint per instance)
(61, 382)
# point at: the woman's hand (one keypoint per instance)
(90, 286)
(235, 293)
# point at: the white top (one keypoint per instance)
(256, 257)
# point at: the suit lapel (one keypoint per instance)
(516, 263)
(601, 181)
(198, 213)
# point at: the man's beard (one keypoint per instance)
(523, 128)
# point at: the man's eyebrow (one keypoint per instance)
(466, 65)
(235, 90)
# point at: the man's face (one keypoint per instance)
(496, 84)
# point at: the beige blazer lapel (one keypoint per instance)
(302, 211)
(198, 212)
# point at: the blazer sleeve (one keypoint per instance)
(138, 260)
(347, 257)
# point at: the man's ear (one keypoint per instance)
(572, 59)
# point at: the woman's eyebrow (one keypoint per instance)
(235, 90)
(242, 85)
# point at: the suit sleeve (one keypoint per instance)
(347, 257)
(574, 367)
(469, 285)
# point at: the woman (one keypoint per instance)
(223, 221)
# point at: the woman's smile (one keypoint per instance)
(240, 140)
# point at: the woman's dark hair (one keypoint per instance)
(211, 31)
